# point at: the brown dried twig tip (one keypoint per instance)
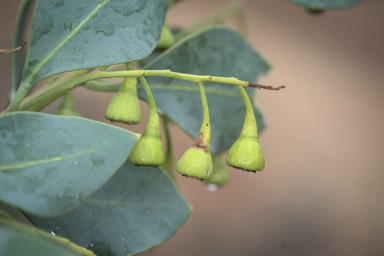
(267, 87)
(15, 49)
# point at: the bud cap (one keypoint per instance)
(148, 151)
(246, 154)
(196, 163)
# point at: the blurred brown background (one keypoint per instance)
(321, 192)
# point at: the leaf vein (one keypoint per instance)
(50, 160)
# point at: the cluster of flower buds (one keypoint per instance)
(197, 162)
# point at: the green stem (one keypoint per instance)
(206, 125)
(17, 57)
(108, 74)
(250, 125)
(34, 231)
(153, 120)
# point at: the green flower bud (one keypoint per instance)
(246, 154)
(166, 39)
(67, 108)
(148, 150)
(315, 11)
(220, 175)
(196, 161)
(124, 106)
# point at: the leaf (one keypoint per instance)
(14, 243)
(51, 164)
(325, 4)
(218, 52)
(138, 208)
(71, 35)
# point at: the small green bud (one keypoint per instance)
(246, 154)
(148, 150)
(67, 108)
(166, 39)
(124, 106)
(315, 11)
(196, 161)
(220, 175)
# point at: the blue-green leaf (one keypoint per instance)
(215, 51)
(14, 243)
(325, 4)
(51, 164)
(138, 208)
(71, 35)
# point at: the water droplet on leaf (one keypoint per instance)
(68, 26)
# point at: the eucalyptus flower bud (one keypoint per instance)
(196, 161)
(67, 107)
(166, 39)
(148, 150)
(246, 154)
(124, 106)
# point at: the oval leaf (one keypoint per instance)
(51, 164)
(70, 35)
(138, 208)
(14, 243)
(325, 4)
(218, 52)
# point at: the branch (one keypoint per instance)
(15, 49)
(266, 87)
(15, 105)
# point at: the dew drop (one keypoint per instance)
(212, 187)
(122, 239)
(77, 197)
(53, 232)
(86, 27)
(75, 163)
(60, 195)
(68, 26)
(85, 41)
(28, 145)
(147, 211)
(79, 8)
(58, 3)
(94, 15)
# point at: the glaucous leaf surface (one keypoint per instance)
(71, 34)
(216, 51)
(325, 4)
(138, 208)
(14, 243)
(51, 164)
